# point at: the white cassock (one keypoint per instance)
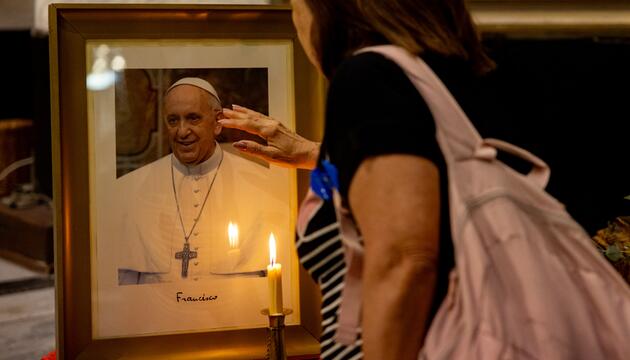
(152, 232)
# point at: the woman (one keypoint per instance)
(380, 135)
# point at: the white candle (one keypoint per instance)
(274, 274)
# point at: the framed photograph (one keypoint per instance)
(163, 229)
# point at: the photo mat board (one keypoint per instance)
(259, 198)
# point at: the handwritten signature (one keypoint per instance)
(182, 298)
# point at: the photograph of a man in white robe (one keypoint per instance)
(176, 211)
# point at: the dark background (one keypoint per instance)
(25, 93)
(566, 100)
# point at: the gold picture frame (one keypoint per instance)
(74, 29)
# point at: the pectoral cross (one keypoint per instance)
(185, 255)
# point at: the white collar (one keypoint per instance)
(200, 169)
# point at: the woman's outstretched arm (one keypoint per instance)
(396, 202)
(284, 147)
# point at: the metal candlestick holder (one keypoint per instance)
(275, 335)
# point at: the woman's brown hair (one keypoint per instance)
(441, 27)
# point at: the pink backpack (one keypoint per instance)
(528, 282)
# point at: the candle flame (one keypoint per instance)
(272, 249)
(233, 235)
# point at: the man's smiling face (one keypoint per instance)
(191, 120)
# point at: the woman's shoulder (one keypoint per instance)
(367, 67)
(366, 61)
(372, 77)
(376, 64)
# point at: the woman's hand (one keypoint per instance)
(284, 147)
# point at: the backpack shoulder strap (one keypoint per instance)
(349, 319)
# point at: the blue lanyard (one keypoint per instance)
(324, 179)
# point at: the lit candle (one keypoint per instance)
(234, 251)
(274, 274)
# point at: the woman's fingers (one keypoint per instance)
(250, 147)
(267, 153)
(251, 122)
(244, 110)
(241, 121)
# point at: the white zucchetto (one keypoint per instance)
(197, 82)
